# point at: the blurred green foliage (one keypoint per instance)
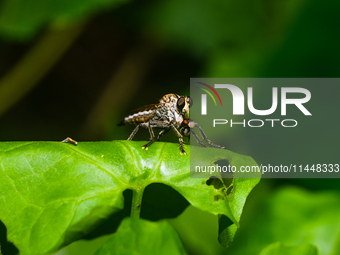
(131, 54)
(280, 249)
(292, 216)
(20, 19)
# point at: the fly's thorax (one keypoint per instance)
(169, 110)
(180, 104)
(168, 103)
(169, 99)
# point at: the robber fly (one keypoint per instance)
(172, 112)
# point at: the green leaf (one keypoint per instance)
(136, 236)
(292, 216)
(53, 193)
(22, 19)
(234, 195)
(281, 249)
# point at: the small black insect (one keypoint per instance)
(172, 112)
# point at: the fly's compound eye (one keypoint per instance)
(180, 103)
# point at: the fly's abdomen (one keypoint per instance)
(139, 117)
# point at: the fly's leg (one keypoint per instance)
(152, 137)
(163, 131)
(134, 132)
(180, 139)
(206, 138)
(197, 138)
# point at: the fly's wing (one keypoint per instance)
(145, 108)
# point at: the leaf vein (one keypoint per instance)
(19, 146)
(132, 156)
(96, 163)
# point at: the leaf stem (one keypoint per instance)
(136, 206)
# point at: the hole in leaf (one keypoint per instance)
(218, 197)
(229, 190)
(6, 246)
(214, 181)
(228, 182)
(161, 201)
(226, 173)
(224, 168)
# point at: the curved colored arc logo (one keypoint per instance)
(208, 92)
(213, 90)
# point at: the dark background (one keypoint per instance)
(76, 68)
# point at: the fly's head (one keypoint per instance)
(183, 105)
